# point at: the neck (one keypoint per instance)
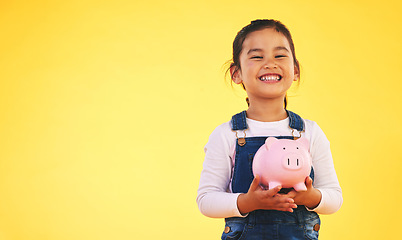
(270, 110)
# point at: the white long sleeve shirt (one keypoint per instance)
(215, 198)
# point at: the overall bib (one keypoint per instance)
(265, 224)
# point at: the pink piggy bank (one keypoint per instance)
(283, 162)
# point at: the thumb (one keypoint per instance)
(255, 184)
(309, 182)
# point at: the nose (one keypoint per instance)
(292, 161)
(270, 64)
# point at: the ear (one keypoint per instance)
(235, 74)
(270, 141)
(304, 142)
(297, 74)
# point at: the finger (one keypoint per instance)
(273, 191)
(287, 207)
(291, 194)
(290, 209)
(285, 199)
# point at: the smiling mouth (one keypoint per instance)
(270, 78)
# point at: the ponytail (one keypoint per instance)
(285, 102)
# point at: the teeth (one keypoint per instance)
(270, 78)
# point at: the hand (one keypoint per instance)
(310, 198)
(257, 198)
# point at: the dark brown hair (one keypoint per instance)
(257, 25)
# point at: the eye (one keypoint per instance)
(280, 56)
(297, 147)
(284, 148)
(256, 57)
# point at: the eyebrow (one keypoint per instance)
(260, 50)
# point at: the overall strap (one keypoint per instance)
(239, 121)
(295, 121)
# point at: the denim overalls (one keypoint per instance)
(265, 224)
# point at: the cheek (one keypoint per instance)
(249, 67)
(250, 64)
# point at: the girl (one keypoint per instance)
(265, 64)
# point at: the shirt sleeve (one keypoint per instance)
(214, 198)
(325, 179)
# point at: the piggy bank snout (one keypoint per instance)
(292, 161)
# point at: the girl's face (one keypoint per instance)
(267, 67)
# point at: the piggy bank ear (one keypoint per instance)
(270, 141)
(304, 142)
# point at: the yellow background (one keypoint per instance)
(106, 107)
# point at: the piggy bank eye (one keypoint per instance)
(284, 148)
(297, 147)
